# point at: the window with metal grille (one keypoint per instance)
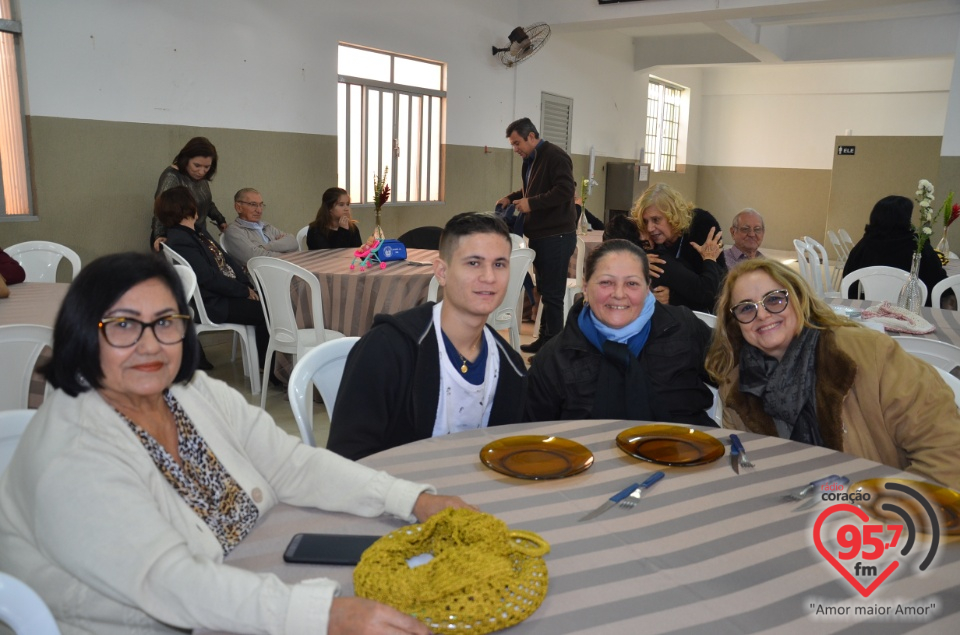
(556, 120)
(14, 189)
(390, 114)
(663, 125)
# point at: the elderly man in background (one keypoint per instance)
(747, 231)
(249, 236)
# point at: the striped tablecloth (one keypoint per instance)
(351, 298)
(34, 303)
(705, 551)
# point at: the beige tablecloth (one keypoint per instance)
(705, 551)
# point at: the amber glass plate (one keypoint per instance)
(536, 457)
(945, 503)
(670, 445)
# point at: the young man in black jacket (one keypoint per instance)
(436, 369)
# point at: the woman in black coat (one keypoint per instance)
(889, 239)
(228, 294)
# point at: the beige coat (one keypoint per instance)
(874, 401)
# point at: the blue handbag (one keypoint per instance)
(392, 249)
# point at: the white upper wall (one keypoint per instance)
(271, 65)
(786, 116)
(260, 65)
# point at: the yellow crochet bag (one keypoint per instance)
(482, 578)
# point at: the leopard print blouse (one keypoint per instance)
(202, 482)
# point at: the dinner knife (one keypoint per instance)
(734, 457)
(613, 500)
(738, 444)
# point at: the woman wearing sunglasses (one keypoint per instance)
(788, 366)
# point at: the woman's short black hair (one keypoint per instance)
(891, 214)
(197, 147)
(615, 245)
(75, 364)
(173, 205)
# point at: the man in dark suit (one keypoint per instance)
(551, 222)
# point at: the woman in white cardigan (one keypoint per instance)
(138, 475)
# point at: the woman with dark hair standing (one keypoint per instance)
(193, 168)
(138, 476)
(890, 240)
(334, 228)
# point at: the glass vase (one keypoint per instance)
(378, 230)
(944, 245)
(911, 296)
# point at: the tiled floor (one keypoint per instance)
(217, 349)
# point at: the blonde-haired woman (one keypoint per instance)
(788, 366)
(690, 235)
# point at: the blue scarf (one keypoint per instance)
(634, 335)
(258, 227)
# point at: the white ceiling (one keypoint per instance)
(703, 32)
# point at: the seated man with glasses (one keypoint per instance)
(249, 236)
(747, 231)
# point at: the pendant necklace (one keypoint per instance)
(463, 360)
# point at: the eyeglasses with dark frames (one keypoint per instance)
(254, 205)
(773, 301)
(124, 332)
(750, 230)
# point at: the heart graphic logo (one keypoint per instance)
(865, 591)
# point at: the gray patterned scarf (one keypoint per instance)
(786, 388)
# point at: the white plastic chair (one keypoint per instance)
(188, 279)
(12, 425)
(838, 247)
(574, 286)
(223, 243)
(272, 278)
(20, 346)
(824, 273)
(879, 283)
(23, 610)
(302, 238)
(715, 411)
(846, 240)
(321, 366)
(40, 259)
(951, 282)
(246, 332)
(934, 352)
(953, 382)
(802, 250)
(518, 241)
(507, 315)
(708, 318)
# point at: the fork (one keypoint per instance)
(806, 490)
(745, 463)
(630, 501)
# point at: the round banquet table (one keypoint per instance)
(351, 298)
(704, 551)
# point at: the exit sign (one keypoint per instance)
(846, 149)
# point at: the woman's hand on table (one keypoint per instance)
(359, 616)
(712, 247)
(429, 504)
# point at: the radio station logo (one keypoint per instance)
(866, 552)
